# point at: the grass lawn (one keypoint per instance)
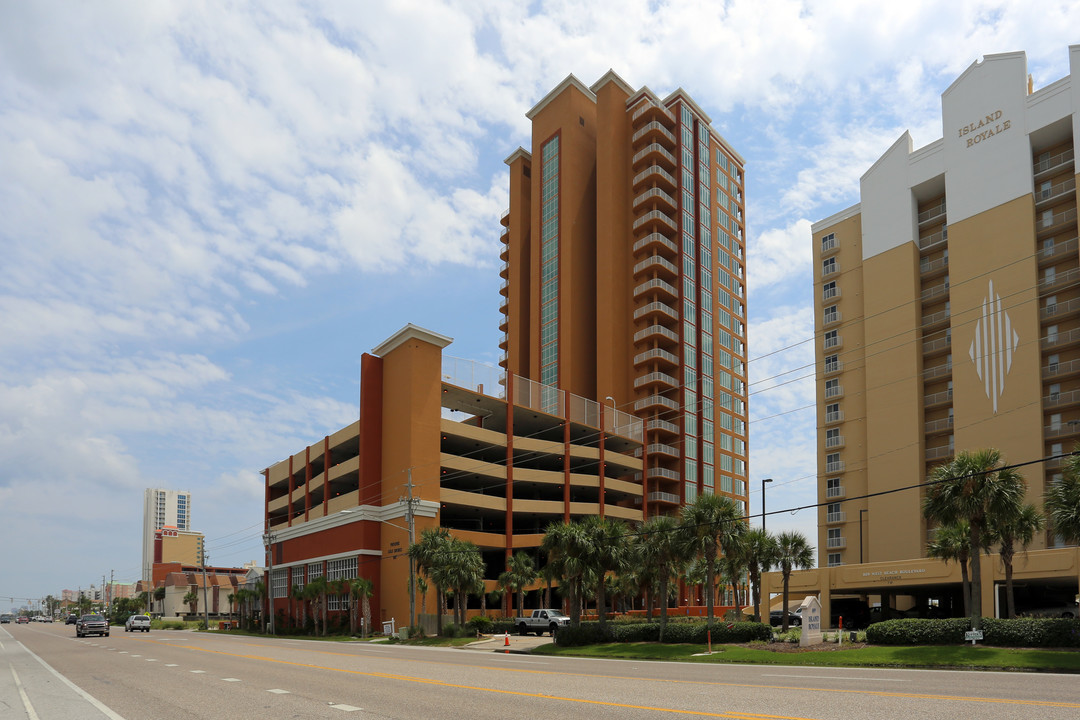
(958, 657)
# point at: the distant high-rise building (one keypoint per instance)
(162, 508)
(624, 271)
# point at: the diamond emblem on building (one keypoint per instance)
(992, 348)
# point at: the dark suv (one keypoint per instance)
(91, 625)
(71, 619)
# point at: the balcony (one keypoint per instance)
(1066, 429)
(655, 261)
(657, 424)
(650, 128)
(939, 426)
(655, 378)
(932, 215)
(647, 107)
(835, 466)
(658, 240)
(935, 292)
(1047, 197)
(655, 217)
(834, 417)
(656, 354)
(836, 517)
(1058, 250)
(930, 268)
(1061, 399)
(655, 401)
(664, 497)
(656, 195)
(836, 543)
(939, 398)
(939, 453)
(656, 331)
(1060, 310)
(1054, 223)
(656, 308)
(934, 241)
(938, 371)
(935, 320)
(657, 174)
(836, 491)
(834, 441)
(655, 151)
(939, 345)
(1052, 165)
(504, 219)
(659, 473)
(1058, 280)
(829, 245)
(1061, 339)
(656, 284)
(830, 269)
(504, 236)
(659, 449)
(834, 391)
(830, 293)
(833, 341)
(1061, 369)
(831, 318)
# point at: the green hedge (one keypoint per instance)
(1021, 632)
(588, 633)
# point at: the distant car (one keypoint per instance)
(137, 622)
(21, 619)
(776, 618)
(71, 619)
(6, 618)
(92, 624)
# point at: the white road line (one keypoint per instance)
(835, 677)
(136, 656)
(346, 708)
(123, 652)
(197, 672)
(30, 713)
(230, 679)
(171, 665)
(82, 693)
(151, 659)
(278, 691)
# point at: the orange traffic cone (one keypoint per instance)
(506, 642)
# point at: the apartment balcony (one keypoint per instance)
(939, 453)
(1055, 193)
(656, 197)
(655, 153)
(829, 246)
(830, 270)
(654, 449)
(936, 399)
(659, 473)
(831, 368)
(654, 262)
(937, 346)
(656, 354)
(1058, 311)
(834, 442)
(836, 543)
(1069, 398)
(658, 425)
(648, 109)
(1066, 429)
(932, 268)
(935, 321)
(504, 305)
(654, 242)
(652, 129)
(504, 270)
(935, 292)
(504, 236)
(656, 308)
(655, 401)
(1055, 222)
(1053, 465)
(656, 285)
(504, 219)
(834, 391)
(934, 427)
(1059, 280)
(655, 332)
(834, 467)
(504, 324)
(1057, 251)
(655, 378)
(1060, 339)
(933, 241)
(932, 215)
(654, 219)
(832, 343)
(832, 318)
(835, 492)
(1061, 369)
(656, 174)
(503, 357)
(937, 372)
(835, 517)
(834, 417)
(504, 251)
(664, 497)
(1052, 165)
(830, 293)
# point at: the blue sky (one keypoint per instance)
(211, 211)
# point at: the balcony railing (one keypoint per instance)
(1060, 339)
(655, 171)
(937, 398)
(655, 378)
(657, 424)
(833, 341)
(940, 425)
(655, 401)
(928, 267)
(664, 497)
(835, 543)
(834, 416)
(1060, 309)
(936, 453)
(935, 318)
(1060, 399)
(1058, 250)
(1053, 162)
(1066, 429)
(656, 330)
(1054, 191)
(655, 194)
(655, 216)
(938, 371)
(656, 284)
(836, 491)
(833, 367)
(833, 391)
(829, 244)
(1061, 369)
(830, 269)
(646, 105)
(835, 466)
(1058, 279)
(932, 214)
(834, 441)
(1052, 222)
(933, 346)
(649, 127)
(836, 517)
(832, 318)
(656, 261)
(934, 240)
(656, 354)
(656, 307)
(654, 148)
(935, 291)
(830, 293)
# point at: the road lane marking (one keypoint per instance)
(30, 713)
(278, 691)
(835, 677)
(136, 655)
(105, 709)
(346, 708)
(151, 659)
(171, 665)
(197, 672)
(230, 679)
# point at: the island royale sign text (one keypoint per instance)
(984, 129)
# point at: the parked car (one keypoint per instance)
(6, 618)
(92, 624)
(137, 622)
(71, 619)
(776, 618)
(22, 619)
(541, 621)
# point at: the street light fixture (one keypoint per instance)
(763, 481)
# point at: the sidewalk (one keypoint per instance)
(518, 644)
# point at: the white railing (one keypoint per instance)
(834, 416)
(834, 391)
(657, 424)
(656, 260)
(656, 354)
(656, 237)
(654, 400)
(835, 517)
(656, 306)
(835, 466)
(654, 193)
(656, 330)
(830, 293)
(834, 341)
(836, 542)
(931, 214)
(654, 148)
(834, 441)
(650, 127)
(655, 215)
(834, 492)
(658, 496)
(1053, 161)
(655, 170)
(656, 284)
(833, 367)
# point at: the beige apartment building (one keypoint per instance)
(947, 318)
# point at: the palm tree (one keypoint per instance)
(192, 600)
(951, 543)
(520, 573)
(1017, 527)
(424, 553)
(231, 597)
(362, 588)
(973, 488)
(711, 525)
(159, 595)
(301, 598)
(566, 547)
(607, 551)
(792, 551)
(315, 592)
(663, 550)
(1062, 502)
(759, 551)
(422, 588)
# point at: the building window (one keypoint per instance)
(829, 266)
(828, 242)
(832, 388)
(832, 314)
(280, 584)
(832, 339)
(833, 488)
(833, 438)
(834, 560)
(549, 263)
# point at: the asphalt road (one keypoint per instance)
(46, 673)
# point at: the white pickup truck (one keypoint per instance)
(541, 621)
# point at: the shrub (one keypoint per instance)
(914, 631)
(587, 633)
(481, 624)
(681, 632)
(1032, 632)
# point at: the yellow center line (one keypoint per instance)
(708, 683)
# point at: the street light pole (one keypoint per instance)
(763, 481)
(412, 540)
(268, 539)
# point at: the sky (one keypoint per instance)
(209, 211)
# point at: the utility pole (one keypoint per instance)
(104, 597)
(412, 539)
(112, 576)
(206, 607)
(268, 540)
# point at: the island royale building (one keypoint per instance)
(947, 318)
(622, 386)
